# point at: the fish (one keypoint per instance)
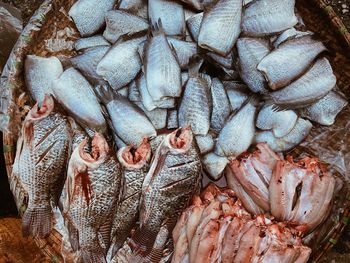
(122, 63)
(94, 181)
(196, 4)
(158, 117)
(194, 24)
(250, 52)
(162, 71)
(172, 122)
(267, 17)
(136, 7)
(87, 62)
(90, 42)
(120, 23)
(225, 15)
(221, 105)
(194, 109)
(316, 83)
(237, 94)
(290, 61)
(301, 129)
(170, 13)
(135, 164)
(224, 223)
(77, 96)
(40, 162)
(226, 62)
(39, 75)
(214, 165)
(172, 180)
(326, 109)
(89, 17)
(123, 91)
(133, 92)
(208, 241)
(205, 143)
(184, 50)
(238, 133)
(287, 35)
(280, 122)
(129, 122)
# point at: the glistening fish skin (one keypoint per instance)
(313, 85)
(40, 73)
(136, 7)
(93, 185)
(76, 94)
(41, 158)
(290, 60)
(194, 24)
(184, 51)
(214, 165)
(267, 17)
(221, 26)
(89, 17)
(89, 42)
(237, 93)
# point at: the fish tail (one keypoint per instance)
(93, 253)
(37, 221)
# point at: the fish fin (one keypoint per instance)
(173, 50)
(92, 254)
(157, 28)
(37, 221)
(268, 101)
(73, 235)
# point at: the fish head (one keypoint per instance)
(135, 157)
(180, 140)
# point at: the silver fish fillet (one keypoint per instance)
(76, 94)
(129, 121)
(158, 117)
(184, 51)
(136, 7)
(326, 109)
(214, 165)
(205, 143)
(312, 86)
(238, 133)
(170, 13)
(237, 93)
(119, 23)
(287, 35)
(281, 122)
(89, 16)
(250, 52)
(89, 42)
(225, 62)
(288, 62)
(133, 92)
(266, 17)
(122, 63)
(39, 75)
(221, 26)
(162, 71)
(194, 24)
(40, 163)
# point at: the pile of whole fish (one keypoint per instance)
(155, 91)
(217, 228)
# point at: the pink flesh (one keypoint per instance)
(208, 242)
(99, 149)
(182, 141)
(141, 154)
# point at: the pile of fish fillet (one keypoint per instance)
(159, 95)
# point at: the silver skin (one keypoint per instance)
(288, 34)
(122, 63)
(172, 122)
(225, 62)
(136, 7)
(39, 75)
(184, 51)
(194, 24)
(290, 61)
(205, 143)
(214, 165)
(89, 17)
(123, 91)
(221, 26)
(158, 117)
(133, 92)
(268, 17)
(237, 93)
(119, 23)
(77, 96)
(312, 86)
(89, 42)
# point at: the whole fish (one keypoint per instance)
(89, 17)
(162, 71)
(41, 159)
(129, 122)
(238, 133)
(122, 63)
(281, 122)
(119, 23)
(39, 75)
(194, 109)
(93, 184)
(184, 51)
(221, 105)
(87, 62)
(205, 143)
(290, 60)
(237, 93)
(90, 42)
(136, 7)
(221, 26)
(134, 163)
(266, 17)
(170, 13)
(214, 164)
(250, 52)
(326, 109)
(194, 25)
(312, 86)
(76, 94)
(174, 177)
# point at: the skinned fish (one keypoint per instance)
(41, 159)
(89, 17)
(122, 63)
(194, 24)
(214, 165)
(39, 75)
(266, 17)
(136, 7)
(237, 94)
(90, 42)
(129, 121)
(93, 184)
(76, 94)
(184, 51)
(119, 23)
(221, 26)
(290, 60)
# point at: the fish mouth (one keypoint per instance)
(99, 149)
(180, 140)
(37, 112)
(135, 157)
